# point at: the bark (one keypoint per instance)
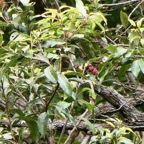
(126, 108)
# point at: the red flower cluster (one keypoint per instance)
(91, 69)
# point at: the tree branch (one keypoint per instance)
(127, 109)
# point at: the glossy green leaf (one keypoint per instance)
(41, 58)
(89, 106)
(80, 7)
(141, 65)
(142, 42)
(63, 104)
(50, 74)
(1, 37)
(53, 43)
(135, 68)
(139, 22)
(33, 127)
(120, 51)
(43, 123)
(78, 36)
(132, 22)
(124, 140)
(65, 84)
(124, 19)
(18, 111)
(7, 136)
(34, 130)
(74, 73)
(25, 2)
(11, 63)
(111, 49)
(89, 124)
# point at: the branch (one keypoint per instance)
(127, 109)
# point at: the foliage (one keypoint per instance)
(43, 67)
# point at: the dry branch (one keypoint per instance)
(126, 108)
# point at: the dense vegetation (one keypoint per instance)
(73, 74)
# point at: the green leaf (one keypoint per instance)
(122, 71)
(80, 7)
(80, 36)
(43, 123)
(25, 2)
(139, 22)
(12, 63)
(18, 111)
(50, 74)
(132, 22)
(63, 104)
(89, 106)
(124, 19)
(135, 68)
(34, 131)
(111, 49)
(109, 123)
(52, 43)
(64, 84)
(33, 127)
(41, 58)
(142, 42)
(1, 37)
(97, 17)
(92, 94)
(124, 140)
(120, 51)
(74, 73)
(141, 65)
(7, 136)
(89, 124)
(3, 24)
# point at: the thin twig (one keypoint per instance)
(135, 9)
(121, 3)
(57, 4)
(75, 127)
(53, 94)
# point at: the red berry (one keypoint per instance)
(91, 68)
(94, 71)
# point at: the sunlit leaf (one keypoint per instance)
(132, 22)
(74, 73)
(89, 124)
(135, 68)
(64, 84)
(139, 22)
(63, 104)
(7, 136)
(43, 123)
(25, 2)
(53, 43)
(120, 51)
(80, 7)
(124, 19)
(124, 140)
(141, 65)
(89, 106)
(111, 49)
(51, 74)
